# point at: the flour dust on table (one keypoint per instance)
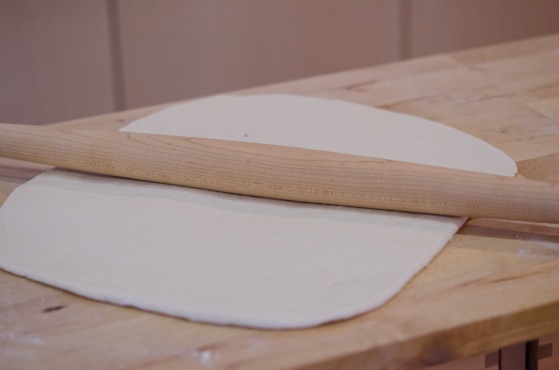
(237, 260)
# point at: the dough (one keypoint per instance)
(230, 259)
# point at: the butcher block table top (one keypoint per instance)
(495, 284)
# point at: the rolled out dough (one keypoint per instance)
(229, 259)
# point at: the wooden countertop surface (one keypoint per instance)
(495, 284)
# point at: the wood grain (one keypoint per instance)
(492, 286)
(285, 173)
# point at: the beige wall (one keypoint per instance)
(435, 26)
(64, 59)
(203, 47)
(54, 60)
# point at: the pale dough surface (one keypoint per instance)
(228, 259)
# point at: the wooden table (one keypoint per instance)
(496, 283)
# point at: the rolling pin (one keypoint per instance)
(286, 173)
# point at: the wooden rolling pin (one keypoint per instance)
(284, 173)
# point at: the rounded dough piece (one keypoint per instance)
(228, 259)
